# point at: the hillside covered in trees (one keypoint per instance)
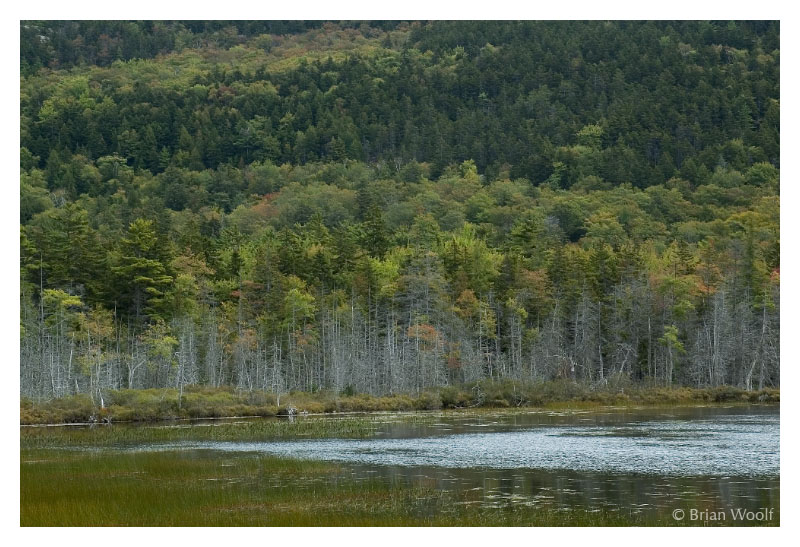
(390, 207)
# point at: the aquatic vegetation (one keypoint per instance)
(206, 488)
(110, 435)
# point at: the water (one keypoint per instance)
(744, 445)
(639, 462)
(647, 461)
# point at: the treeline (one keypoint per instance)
(181, 226)
(390, 286)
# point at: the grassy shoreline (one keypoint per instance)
(197, 402)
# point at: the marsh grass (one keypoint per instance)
(204, 488)
(205, 402)
(256, 430)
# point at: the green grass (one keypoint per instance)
(203, 488)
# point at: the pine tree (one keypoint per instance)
(376, 237)
(142, 277)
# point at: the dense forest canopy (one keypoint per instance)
(393, 206)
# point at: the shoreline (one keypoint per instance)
(205, 404)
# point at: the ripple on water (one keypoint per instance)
(732, 445)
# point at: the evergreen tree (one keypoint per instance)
(142, 277)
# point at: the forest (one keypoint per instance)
(393, 207)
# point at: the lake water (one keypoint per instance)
(634, 461)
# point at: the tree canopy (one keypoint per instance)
(393, 206)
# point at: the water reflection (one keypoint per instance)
(645, 462)
(723, 444)
(632, 493)
(636, 461)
